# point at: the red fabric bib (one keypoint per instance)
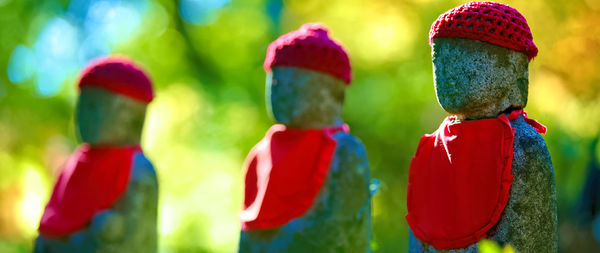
(284, 173)
(92, 180)
(459, 180)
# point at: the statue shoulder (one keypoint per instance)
(348, 144)
(350, 154)
(142, 170)
(528, 143)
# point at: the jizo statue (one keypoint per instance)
(307, 181)
(486, 173)
(105, 199)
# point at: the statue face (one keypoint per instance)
(105, 118)
(304, 98)
(93, 110)
(475, 79)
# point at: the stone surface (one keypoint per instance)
(529, 221)
(302, 98)
(416, 246)
(130, 225)
(475, 79)
(103, 117)
(340, 218)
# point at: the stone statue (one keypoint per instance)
(105, 199)
(307, 182)
(486, 172)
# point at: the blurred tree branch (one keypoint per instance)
(205, 70)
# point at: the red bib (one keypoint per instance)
(459, 180)
(92, 180)
(284, 173)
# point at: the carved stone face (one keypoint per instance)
(475, 79)
(303, 98)
(105, 118)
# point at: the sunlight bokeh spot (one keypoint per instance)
(175, 105)
(549, 87)
(32, 205)
(115, 21)
(21, 65)
(167, 219)
(386, 37)
(200, 12)
(56, 55)
(67, 42)
(92, 47)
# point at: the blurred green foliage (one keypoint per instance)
(487, 246)
(210, 110)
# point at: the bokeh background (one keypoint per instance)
(205, 58)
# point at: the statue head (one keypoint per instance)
(111, 108)
(307, 74)
(481, 52)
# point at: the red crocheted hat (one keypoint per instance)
(310, 47)
(120, 75)
(491, 22)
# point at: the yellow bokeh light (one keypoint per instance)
(167, 220)
(32, 205)
(177, 104)
(386, 33)
(549, 95)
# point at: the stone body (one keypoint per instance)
(104, 118)
(477, 80)
(340, 218)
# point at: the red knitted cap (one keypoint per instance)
(491, 22)
(310, 47)
(120, 75)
